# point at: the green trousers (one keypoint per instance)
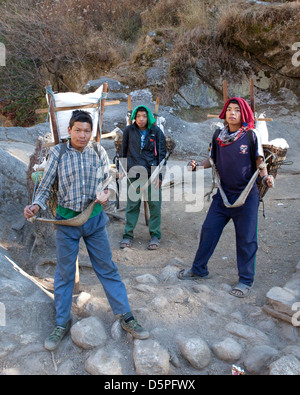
(133, 210)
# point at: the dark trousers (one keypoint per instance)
(245, 223)
(95, 236)
(133, 212)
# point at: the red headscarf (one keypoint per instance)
(246, 112)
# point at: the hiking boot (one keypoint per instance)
(54, 339)
(136, 330)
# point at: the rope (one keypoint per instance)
(42, 147)
(84, 216)
(243, 196)
(104, 95)
(24, 274)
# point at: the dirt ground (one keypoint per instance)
(278, 238)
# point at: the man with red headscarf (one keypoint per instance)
(232, 154)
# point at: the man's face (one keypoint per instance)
(80, 133)
(233, 115)
(141, 119)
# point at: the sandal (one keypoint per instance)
(154, 244)
(241, 290)
(125, 243)
(187, 274)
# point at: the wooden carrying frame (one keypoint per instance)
(52, 112)
(274, 156)
(129, 113)
(252, 99)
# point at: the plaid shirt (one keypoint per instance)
(79, 175)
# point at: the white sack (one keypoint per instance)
(262, 130)
(70, 99)
(279, 143)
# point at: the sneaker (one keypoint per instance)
(54, 339)
(136, 330)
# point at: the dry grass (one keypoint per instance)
(252, 23)
(68, 42)
(73, 41)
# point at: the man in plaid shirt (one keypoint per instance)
(80, 171)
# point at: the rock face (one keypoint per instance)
(271, 43)
(26, 315)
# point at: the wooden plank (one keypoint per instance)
(129, 104)
(52, 116)
(93, 105)
(98, 136)
(76, 284)
(129, 112)
(252, 97)
(225, 91)
(156, 108)
(259, 119)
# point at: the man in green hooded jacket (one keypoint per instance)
(143, 147)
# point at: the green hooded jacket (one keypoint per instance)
(151, 119)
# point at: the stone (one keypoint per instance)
(281, 300)
(82, 299)
(147, 279)
(228, 350)
(159, 302)
(89, 333)
(196, 351)
(113, 85)
(169, 274)
(145, 288)
(293, 350)
(258, 358)
(197, 93)
(175, 295)
(247, 332)
(285, 366)
(150, 358)
(104, 362)
(116, 330)
(293, 285)
(157, 75)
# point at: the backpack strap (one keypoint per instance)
(62, 150)
(215, 138)
(252, 151)
(95, 146)
(63, 147)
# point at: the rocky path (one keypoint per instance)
(196, 328)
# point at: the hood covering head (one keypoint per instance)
(246, 112)
(151, 119)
